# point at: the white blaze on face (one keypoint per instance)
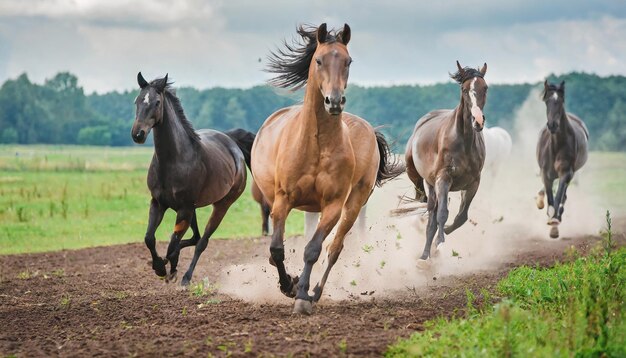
(146, 99)
(476, 111)
(555, 96)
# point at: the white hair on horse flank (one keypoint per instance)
(146, 99)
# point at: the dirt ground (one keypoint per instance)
(106, 301)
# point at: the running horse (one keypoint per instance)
(561, 151)
(315, 157)
(447, 151)
(189, 169)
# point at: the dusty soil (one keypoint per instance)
(106, 301)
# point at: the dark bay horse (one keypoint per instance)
(561, 151)
(316, 157)
(189, 169)
(447, 151)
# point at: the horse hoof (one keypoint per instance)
(303, 307)
(540, 204)
(554, 232)
(423, 264)
(159, 267)
(172, 277)
(185, 281)
(554, 222)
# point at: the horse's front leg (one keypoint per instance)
(442, 188)
(330, 216)
(183, 218)
(559, 202)
(431, 227)
(155, 218)
(547, 184)
(280, 210)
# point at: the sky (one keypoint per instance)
(225, 43)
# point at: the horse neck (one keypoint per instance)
(170, 139)
(463, 122)
(316, 120)
(565, 127)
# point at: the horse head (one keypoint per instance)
(474, 92)
(331, 67)
(554, 97)
(149, 107)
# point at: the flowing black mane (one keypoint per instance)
(466, 74)
(170, 94)
(292, 63)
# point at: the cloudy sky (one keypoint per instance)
(225, 43)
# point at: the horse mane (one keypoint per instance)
(292, 63)
(466, 74)
(170, 94)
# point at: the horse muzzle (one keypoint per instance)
(553, 128)
(334, 104)
(139, 135)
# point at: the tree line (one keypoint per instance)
(59, 112)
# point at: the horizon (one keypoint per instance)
(173, 82)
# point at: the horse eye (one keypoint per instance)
(318, 61)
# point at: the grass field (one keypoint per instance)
(69, 197)
(574, 309)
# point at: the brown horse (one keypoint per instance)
(561, 151)
(447, 151)
(315, 157)
(265, 208)
(190, 169)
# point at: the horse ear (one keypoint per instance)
(484, 69)
(345, 34)
(562, 86)
(141, 81)
(161, 84)
(321, 33)
(458, 65)
(545, 84)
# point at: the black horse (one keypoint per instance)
(189, 169)
(561, 151)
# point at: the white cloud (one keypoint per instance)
(218, 43)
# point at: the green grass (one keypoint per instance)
(69, 197)
(572, 309)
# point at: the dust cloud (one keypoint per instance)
(503, 221)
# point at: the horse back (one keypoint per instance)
(581, 135)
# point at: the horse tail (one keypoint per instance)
(244, 141)
(388, 167)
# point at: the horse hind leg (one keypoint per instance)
(265, 214)
(418, 181)
(460, 219)
(183, 218)
(196, 233)
(219, 211)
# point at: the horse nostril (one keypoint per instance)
(343, 99)
(140, 134)
(327, 100)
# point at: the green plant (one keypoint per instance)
(343, 346)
